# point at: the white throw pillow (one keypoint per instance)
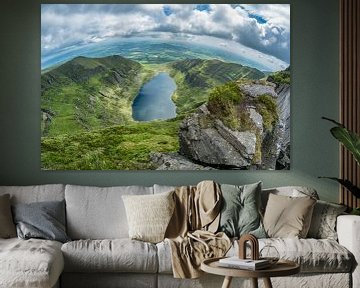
(149, 215)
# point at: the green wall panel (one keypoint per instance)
(315, 70)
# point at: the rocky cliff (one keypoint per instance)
(283, 91)
(244, 125)
(282, 82)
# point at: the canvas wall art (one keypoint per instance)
(165, 87)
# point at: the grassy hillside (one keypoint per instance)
(196, 77)
(124, 147)
(90, 93)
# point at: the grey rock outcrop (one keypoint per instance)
(207, 140)
(257, 89)
(283, 101)
(215, 145)
(256, 119)
(244, 142)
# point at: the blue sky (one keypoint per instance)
(262, 27)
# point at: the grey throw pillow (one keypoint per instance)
(240, 213)
(323, 222)
(7, 226)
(44, 220)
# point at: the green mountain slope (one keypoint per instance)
(89, 93)
(122, 147)
(196, 77)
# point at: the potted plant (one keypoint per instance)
(351, 141)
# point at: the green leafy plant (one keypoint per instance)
(351, 141)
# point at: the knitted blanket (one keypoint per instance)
(191, 232)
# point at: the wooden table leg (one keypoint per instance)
(227, 282)
(254, 282)
(267, 283)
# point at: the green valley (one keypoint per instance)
(86, 110)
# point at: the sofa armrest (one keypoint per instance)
(348, 230)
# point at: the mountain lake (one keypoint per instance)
(154, 99)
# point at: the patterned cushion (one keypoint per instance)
(323, 223)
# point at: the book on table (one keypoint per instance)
(249, 264)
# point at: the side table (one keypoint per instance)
(281, 268)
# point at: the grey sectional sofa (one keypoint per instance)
(101, 254)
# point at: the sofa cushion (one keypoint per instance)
(323, 222)
(290, 191)
(30, 263)
(164, 257)
(117, 255)
(240, 210)
(43, 220)
(149, 215)
(35, 193)
(98, 213)
(313, 255)
(7, 226)
(287, 216)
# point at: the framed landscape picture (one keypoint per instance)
(165, 86)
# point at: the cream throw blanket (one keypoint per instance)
(191, 231)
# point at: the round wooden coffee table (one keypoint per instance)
(281, 268)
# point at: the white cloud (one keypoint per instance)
(65, 25)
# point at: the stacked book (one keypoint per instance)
(248, 264)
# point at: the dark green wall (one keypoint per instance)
(314, 62)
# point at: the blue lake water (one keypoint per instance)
(154, 99)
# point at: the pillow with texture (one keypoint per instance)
(7, 226)
(288, 217)
(43, 220)
(149, 215)
(323, 222)
(240, 213)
